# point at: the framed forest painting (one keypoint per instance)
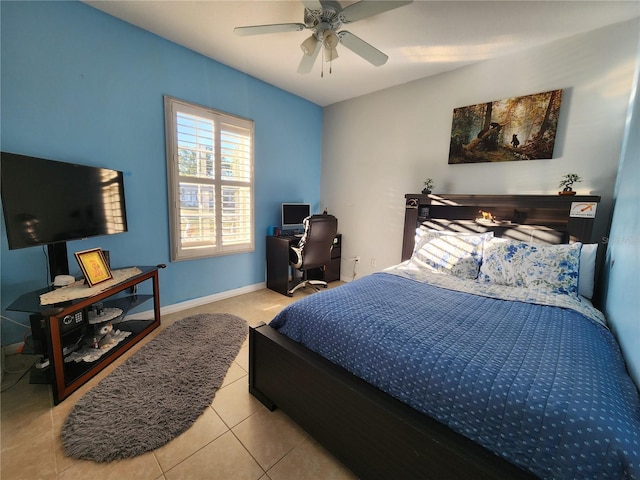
(518, 128)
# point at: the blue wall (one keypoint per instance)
(84, 87)
(622, 270)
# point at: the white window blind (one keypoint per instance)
(210, 176)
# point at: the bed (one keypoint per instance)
(429, 370)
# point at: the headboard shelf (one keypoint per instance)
(537, 218)
(516, 231)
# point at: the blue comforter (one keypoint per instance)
(542, 386)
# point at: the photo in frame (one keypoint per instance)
(94, 266)
(518, 128)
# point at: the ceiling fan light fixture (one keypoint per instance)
(309, 45)
(330, 39)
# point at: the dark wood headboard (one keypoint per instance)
(535, 218)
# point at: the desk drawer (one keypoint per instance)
(332, 270)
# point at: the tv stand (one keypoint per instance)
(68, 324)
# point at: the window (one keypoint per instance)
(210, 180)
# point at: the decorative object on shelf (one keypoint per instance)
(105, 315)
(428, 186)
(488, 218)
(567, 181)
(94, 266)
(103, 335)
(63, 281)
(517, 128)
(94, 347)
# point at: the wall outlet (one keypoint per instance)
(357, 259)
(374, 263)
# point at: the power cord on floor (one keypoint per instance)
(355, 262)
(24, 337)
(15, 382)
(21, 373)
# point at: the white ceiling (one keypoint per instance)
(421, 39)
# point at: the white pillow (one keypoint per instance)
(587, 275)
(458, 254)
(519, 264)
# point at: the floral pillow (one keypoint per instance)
(450, 252)
(554, 268)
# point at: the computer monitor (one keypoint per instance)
(293, 214)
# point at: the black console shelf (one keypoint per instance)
(67, 323)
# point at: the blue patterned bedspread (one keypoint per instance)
(542, 386)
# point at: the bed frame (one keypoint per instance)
(372, 433)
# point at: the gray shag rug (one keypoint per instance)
(156, 394)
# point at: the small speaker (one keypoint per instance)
(38, 334)
(107, 258)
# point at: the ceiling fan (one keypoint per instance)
(324, 18)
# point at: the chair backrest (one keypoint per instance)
(317, 241)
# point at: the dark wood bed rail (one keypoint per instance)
(375, 435)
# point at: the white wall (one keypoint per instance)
(378, 147)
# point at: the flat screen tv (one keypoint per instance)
(293, 214)
(47, 202)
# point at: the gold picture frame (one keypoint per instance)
(94, 266)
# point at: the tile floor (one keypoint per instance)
(235, 438)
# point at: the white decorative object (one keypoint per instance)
(583, 209)
(63, 280)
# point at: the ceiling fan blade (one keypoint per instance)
(275, 28)
(364, 9)
(312, 4)
(306, 64)
(360, 47)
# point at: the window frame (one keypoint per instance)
(217, 247)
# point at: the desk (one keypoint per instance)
(279, 272)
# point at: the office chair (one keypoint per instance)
(314, 249)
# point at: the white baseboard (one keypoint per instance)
(196, 302)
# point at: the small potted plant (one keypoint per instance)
(567, 181)
(428, 186)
